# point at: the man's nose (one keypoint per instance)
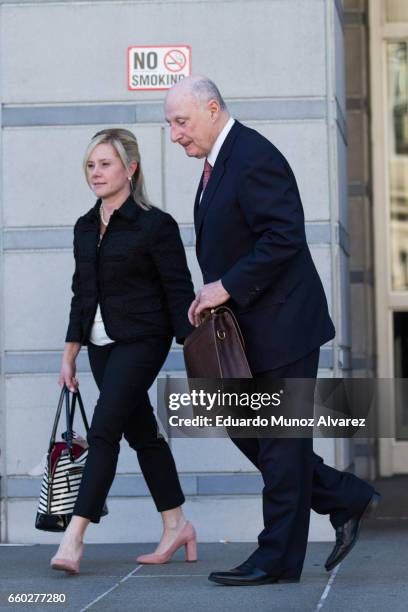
(174, 133)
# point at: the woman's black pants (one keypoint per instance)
(124, 373)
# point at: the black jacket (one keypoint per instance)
(251, 234)
(139, 275)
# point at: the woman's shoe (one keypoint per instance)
(67, 565)
(186, 537)
(58, 563)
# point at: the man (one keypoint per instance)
(252, 250)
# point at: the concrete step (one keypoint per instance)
(217, 518)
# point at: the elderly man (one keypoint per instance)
(252, 250)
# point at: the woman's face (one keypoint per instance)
(107, 176)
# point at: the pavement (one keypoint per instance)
(373, 578)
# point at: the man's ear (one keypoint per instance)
(214, 109)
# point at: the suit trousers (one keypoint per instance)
(124, 372)
(296, 480)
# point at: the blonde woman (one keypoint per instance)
(131, 293)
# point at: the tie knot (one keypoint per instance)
(207, 173)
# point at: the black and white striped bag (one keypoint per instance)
(63, 470)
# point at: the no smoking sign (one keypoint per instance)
(157, 67)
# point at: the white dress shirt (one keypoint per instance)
(213, 154)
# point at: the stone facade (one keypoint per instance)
(280, 66)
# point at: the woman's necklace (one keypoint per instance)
(102, 217)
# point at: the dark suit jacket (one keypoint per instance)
(251, 234)
(139, 275)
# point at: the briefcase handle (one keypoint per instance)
(220, 310)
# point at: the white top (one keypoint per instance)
(213, 154)
(98, 333)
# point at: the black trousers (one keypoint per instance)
(296, 480)
(124, 373)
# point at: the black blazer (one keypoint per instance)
(251, 234)
(139, 275)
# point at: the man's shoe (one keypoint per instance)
(248, 574)
(347, 534)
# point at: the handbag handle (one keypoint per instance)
(64, 395)
(69, 415)
(69, 433)
(77, 396)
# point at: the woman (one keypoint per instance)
(132, 290)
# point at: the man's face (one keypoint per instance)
(191, 123)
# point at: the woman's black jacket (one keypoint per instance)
(139, 276)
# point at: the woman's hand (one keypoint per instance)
(67, 376)
(68, 366)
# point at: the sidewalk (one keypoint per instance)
(372, 579)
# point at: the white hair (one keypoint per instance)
(205, 90)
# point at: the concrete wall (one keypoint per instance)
(280, 66)
(360, 210)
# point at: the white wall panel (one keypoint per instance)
(209, 455)
(37, 299)
(182, 175)
(54, 52)
(44, 184)
(194, 268)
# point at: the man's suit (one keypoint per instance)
(250, 233)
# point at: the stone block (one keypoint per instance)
(218, 518)
(243, 54)
(59, 194)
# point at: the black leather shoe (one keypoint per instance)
(347, 534)
(248, 575)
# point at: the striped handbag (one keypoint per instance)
(63, 470)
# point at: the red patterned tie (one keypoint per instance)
(207, 173)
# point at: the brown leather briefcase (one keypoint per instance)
(216, 348)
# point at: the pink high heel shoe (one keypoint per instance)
(186, 537)
(67, 565)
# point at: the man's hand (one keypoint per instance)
(209, 296)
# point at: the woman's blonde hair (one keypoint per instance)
(125, 145)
